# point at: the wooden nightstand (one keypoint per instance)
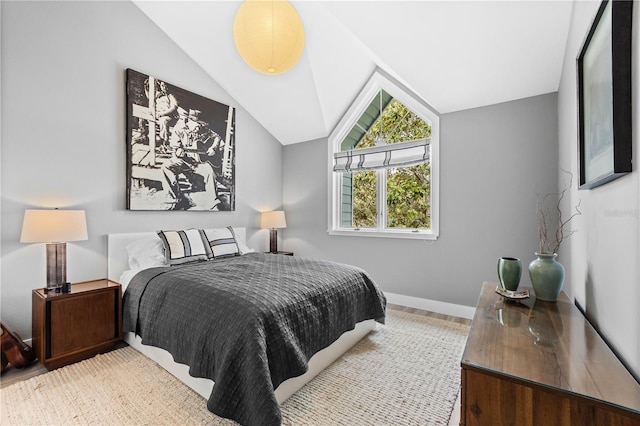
(286, 253)
(70, 327)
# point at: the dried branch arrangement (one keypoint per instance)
(550, 242)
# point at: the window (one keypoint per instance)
(383, 177)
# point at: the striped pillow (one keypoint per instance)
(184, 246)
(222, 242)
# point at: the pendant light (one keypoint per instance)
(268, 35)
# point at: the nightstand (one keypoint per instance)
(286, 253)
(70, 327)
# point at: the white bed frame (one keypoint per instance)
(118, 263)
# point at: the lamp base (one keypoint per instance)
(56, 266)
(273, 240)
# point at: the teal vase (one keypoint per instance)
(547, 277)
(509, 272)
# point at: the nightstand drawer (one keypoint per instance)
(80, 322)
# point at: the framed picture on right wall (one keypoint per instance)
(604, 96)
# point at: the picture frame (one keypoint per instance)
(604, 96)
(180, 148)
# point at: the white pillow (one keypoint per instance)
(146, 253)
(242, 244)
(184, 246)
(222, 242)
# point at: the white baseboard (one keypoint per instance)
(444, 308)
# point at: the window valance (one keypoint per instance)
(400, 154)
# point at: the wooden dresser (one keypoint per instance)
(541, 363)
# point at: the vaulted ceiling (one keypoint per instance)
(455, 55)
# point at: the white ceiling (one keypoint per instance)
(454, 54)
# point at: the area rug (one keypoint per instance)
(405, 373)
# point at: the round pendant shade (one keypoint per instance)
(269, 35)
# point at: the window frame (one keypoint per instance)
(380, 81)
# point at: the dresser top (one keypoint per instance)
(547, 344)
(79, 287)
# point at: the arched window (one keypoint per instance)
(384, 172)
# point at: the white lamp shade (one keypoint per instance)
(274, 219)
(53, 226)
(268, 35)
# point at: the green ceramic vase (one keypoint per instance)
(547, 277)
(509, 272)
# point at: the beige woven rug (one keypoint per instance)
(407, 373)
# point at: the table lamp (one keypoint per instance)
(273, 220)
(56, 228)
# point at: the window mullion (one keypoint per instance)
(381, 186)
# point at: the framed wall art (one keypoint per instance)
(180, 148)
(604, 96)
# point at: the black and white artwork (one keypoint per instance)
(180, 148)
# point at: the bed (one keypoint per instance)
(284, 345)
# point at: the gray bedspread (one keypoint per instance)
(249, 322)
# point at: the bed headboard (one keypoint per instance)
(117, 260)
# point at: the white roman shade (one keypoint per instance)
(400, 154)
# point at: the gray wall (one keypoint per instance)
(602, 258)
(493, 161)
(63, 136)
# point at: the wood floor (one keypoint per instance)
(428, 314)
(12, 375)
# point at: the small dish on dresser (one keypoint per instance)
(514, 295)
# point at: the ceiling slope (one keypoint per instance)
(454, 54)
